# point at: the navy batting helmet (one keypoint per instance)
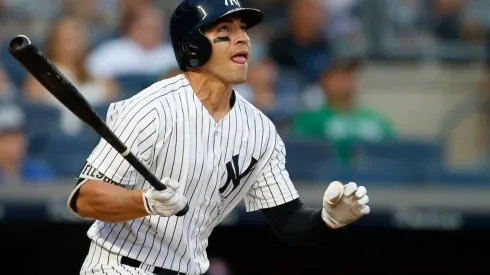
(191, 47)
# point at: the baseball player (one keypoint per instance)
(209, 146)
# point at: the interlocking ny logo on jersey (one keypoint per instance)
(234, 176)
(232, 3)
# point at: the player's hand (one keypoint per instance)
(344, 204)
(164, 203)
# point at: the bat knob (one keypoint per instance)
(183, 211)
(19, 42)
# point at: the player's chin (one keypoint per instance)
(237, 80)
(237, 77)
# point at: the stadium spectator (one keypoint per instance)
(66, 47)
(460, 20)
(275, 19)
(272, 90)
(15, 165)
(142, 50)
(304, 48)
(341, 120)
(262, 77)
(7, 90)
(486, 101)
(448, 24)
(342, 19)
(100, 16)
(344, 27)
(16, 15)
(406, 18)
(126, 9)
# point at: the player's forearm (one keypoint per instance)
(298, 225)
(109, 203)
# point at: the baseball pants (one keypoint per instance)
(112, 264)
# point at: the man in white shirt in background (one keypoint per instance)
(142, 50)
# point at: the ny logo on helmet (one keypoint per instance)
(232, 3)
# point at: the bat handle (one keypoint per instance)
(156, 183)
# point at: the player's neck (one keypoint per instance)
(214, 94)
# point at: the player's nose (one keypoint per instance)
(242, 37)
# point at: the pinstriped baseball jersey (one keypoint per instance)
(219, 164)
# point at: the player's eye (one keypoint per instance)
(223, 29)
(243, 27)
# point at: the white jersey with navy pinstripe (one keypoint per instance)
(219, 164)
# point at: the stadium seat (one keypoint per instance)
(15, 71)
(455, 177)
(40, 122)
(101, 110)
(310, 149)
(420, 159)
(41, 118)
(380, 171)
(17, 211)
(130, 85)
(67, 154)
(301, 153)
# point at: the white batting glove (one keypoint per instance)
(344, 204)
(164, 203)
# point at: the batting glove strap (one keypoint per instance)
(146, 202)
(330, 221)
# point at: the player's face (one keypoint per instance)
(231, 50)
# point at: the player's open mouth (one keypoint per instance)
(240, 58)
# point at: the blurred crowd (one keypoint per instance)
(304, 72)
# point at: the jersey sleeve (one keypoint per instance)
(273, 186)
(138, 128)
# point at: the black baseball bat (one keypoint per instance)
(41, 68)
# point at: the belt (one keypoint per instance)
(156, 270)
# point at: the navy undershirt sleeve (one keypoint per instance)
(298, 225)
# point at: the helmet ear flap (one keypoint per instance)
(198, 52)
(193, 53)
(189, 49)
(190, 52)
